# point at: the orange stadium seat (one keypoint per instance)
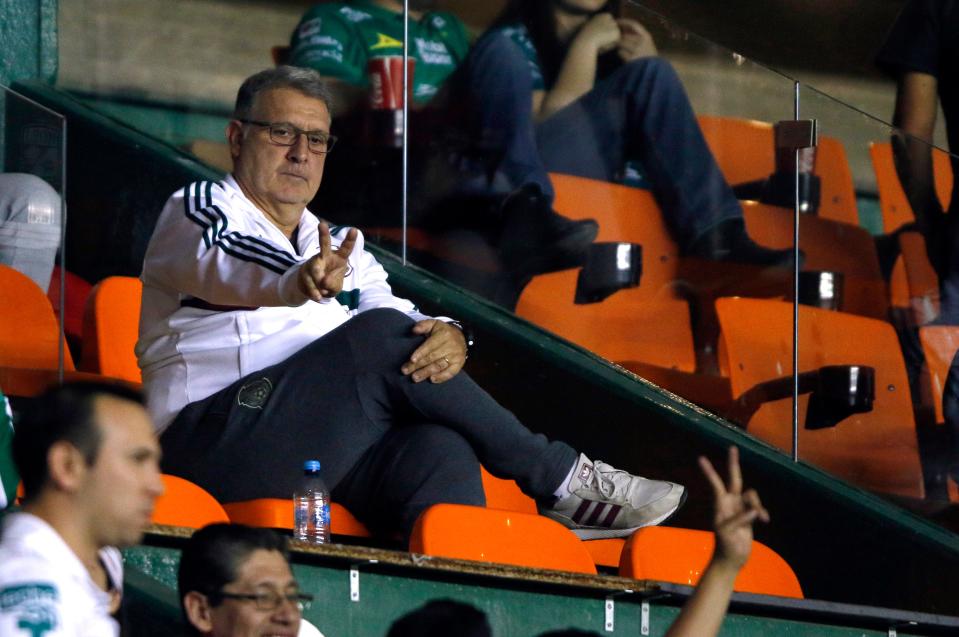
(623, 214)
(877, 449)
(913, 283)
(828, 245)
(647, 323)
(29, 337)
(624, 327)
(277, 513)
(914, 286)
(504, 537)
(743, 148)
(506, 495)
(29, 333)
(896, 211)
(680, 556)
(663, 350)
(110, 323)
(186, 504)
(76, 292)
(744, 151)
(838, 193)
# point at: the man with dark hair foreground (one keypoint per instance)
(268, 339)
(90, 467)
(235, 581)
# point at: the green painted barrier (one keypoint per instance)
(360, 592)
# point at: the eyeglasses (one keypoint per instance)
(285, 134)
(270, 601)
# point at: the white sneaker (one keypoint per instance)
(606, 502)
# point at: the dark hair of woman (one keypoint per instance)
(539, 19)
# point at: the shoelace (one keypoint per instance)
(608, 480)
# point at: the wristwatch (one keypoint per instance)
(467, 334)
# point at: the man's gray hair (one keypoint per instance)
(306, 81)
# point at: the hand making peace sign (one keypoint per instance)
(321, 277)
(734, 512)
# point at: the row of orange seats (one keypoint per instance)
(682, 330)
(648, 330)
(507, 531)
(737, 344)
(30, 342)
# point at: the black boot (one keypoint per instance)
(728, 241)
(534, 239)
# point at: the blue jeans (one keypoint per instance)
(640, 111)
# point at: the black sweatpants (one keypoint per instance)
(389, 447)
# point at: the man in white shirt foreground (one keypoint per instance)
(266, 340)
(89, 462)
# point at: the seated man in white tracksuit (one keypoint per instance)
(268, 339)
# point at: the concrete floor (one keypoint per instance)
(198, 51)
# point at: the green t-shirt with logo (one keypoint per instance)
(337, 39)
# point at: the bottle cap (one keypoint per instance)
(311, 465)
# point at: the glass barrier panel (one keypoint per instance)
(875, 357)
(599, 210)
(32, 219)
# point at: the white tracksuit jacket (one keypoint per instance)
(220, 297)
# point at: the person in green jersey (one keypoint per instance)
(339, 39)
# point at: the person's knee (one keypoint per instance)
(381, 338)
(497, 53)
(384, 324)
(651, 69)
(500, 46)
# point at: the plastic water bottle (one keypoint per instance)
(311, 507)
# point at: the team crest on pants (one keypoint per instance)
(255, 393)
